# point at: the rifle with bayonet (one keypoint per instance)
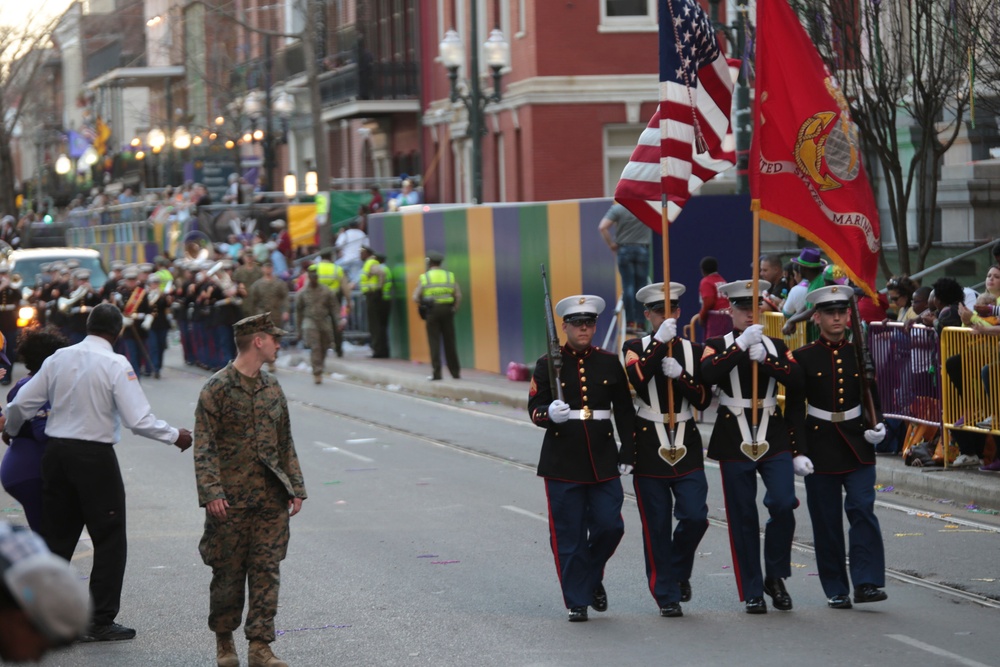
(866, 366)
(552, 337)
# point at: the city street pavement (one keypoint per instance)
(424, 542)
(963, 485)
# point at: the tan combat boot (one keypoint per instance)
(260, 655)
(225, 650)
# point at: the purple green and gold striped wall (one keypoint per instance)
(496, 253)
(130, 242)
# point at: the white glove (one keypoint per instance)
(758, 352)
(753, 334)
(559, 411)
(147, 322)
(875, 435)
(667, 331)
(625, 469)
(127, 322)
(671, 368)
(803, 465)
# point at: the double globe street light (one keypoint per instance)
(452, 54)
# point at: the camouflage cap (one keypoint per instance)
(257, 324)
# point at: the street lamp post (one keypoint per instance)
(452, 53)
(736, 36)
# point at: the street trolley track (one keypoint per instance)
(798, 546)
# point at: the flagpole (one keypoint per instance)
(665, 235)
(756, 318)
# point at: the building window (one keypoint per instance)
(619, 142)
(628, 16)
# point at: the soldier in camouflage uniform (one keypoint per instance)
(316, 316)
(248, 273)
(250, 483)
(270, 295)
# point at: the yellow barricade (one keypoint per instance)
(773, 322)
(970, 380)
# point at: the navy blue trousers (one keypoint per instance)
(823, 495)
(585, 527)
(739, 483)
(670, 556)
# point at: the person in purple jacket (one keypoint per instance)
(21, 468)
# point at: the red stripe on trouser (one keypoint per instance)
(732, 545)
(553, 541)
(647, 540)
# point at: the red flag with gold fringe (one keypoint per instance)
(805, 159)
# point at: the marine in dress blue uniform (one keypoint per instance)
(836, 455)
(580, 459)
(669, 471)
(727, 362)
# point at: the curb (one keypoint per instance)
(455, 390)
(973, 488)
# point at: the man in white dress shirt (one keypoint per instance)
(93, 392)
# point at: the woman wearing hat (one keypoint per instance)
(810, 266)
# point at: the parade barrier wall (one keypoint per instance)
(131, 242)
(496, 252)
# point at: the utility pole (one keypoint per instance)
(313, 18)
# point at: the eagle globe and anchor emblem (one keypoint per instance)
(830, 139)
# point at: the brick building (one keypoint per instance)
(582, 83)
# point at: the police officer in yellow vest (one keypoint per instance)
(372, 281)
(333, 276)
(438, 290)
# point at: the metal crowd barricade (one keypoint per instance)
(356, 330)
(907, 371)
(971, 381)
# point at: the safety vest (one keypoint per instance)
(369, 281)
(387, 284)
(330, 274)
(438, 286)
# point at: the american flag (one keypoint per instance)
(696, 82)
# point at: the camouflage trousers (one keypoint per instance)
(318, 341)
(245, 552)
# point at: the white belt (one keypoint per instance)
(746, 403)
(834, 417)
(588, 414)
(652, 415)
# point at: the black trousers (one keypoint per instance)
(441, 333)
(82, 486)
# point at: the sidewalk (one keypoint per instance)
(963, 486)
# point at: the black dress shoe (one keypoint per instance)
(685, 591)
(756, 606)
(600, 601)
(671, 610)
(869, 593)
(432, 378)
(839, 602)
(112, 632)
(779, 596)
(577, 614)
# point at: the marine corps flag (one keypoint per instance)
(805, 159)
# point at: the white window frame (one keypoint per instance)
(610, 152)
(637, 23)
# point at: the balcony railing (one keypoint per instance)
(376, 81)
